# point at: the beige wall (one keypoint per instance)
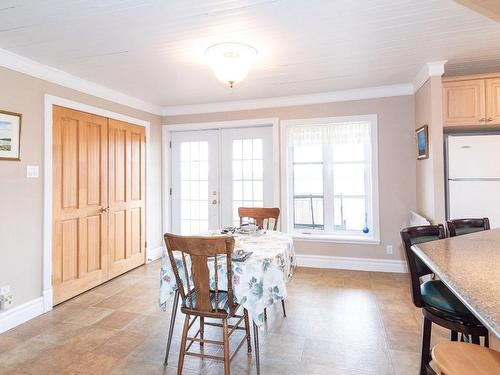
(430, 172)
(396, 164)
(21, 199)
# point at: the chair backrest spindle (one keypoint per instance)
(261, 215)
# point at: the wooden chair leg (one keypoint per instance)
(182, 352)
(202, 329)
(171, 328)
(226, 347)
(426, 346)
(256, 345)
(283, 305)
(453, 336)
(247, 330)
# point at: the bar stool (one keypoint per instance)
(459, 227)
(458, 358)
(439, 305)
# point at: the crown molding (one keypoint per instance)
(32, 68)
(430, 69)
(286, 101)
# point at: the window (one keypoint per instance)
(332, 178)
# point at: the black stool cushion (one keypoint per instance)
(438, 296)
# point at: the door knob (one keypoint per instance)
(214, 201)
(489, 119)
(105, 209)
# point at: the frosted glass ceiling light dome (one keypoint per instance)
(231, 61)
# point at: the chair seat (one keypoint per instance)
(459, 358)
(467, 230)
(437, 295)
(223, 301)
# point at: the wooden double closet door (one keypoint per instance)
(98, 192)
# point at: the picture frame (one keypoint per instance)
(422, 134)
(10, 135)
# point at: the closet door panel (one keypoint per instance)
(79, 188)
(127, 196)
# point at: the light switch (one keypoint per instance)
(32, 171)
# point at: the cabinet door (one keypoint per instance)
(493, 101)
(464, 103)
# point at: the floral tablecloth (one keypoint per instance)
(258, 282)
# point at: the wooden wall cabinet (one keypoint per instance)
(469, 101)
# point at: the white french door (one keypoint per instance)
(216, 171)
(195, 181)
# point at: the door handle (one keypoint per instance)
(105, 210)
(214, 201)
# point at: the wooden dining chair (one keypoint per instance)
(266, 218)
(195, 254)
(459, 227)
(439, 305)
(458, 358)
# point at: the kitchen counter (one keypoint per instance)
(470, 266)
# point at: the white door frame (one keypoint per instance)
(49, 102)
(166, 155)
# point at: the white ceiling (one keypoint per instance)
(153, 49)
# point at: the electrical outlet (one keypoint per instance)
(6, 300)
(388, 249)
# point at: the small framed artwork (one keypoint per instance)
(422, 142)
(10, 135)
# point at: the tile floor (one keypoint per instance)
(339, 322)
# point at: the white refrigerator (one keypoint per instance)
(473, 166)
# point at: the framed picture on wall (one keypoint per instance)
(422, 142)
(10, 135)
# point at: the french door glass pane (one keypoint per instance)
(194, 187)
(247, 176)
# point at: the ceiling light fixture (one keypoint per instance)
(230, 61)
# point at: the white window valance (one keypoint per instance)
(329, 134)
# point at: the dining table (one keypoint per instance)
(469, 265)
(262, 264)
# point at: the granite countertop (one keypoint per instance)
(470, 266)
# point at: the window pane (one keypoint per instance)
(304, 154)
(349, 179)
(349, 152)
(257, 148)
(247, 149)
(349, 213)
(308, 213)
(237, 170)
(308, 179)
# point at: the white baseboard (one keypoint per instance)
(20, 314)
(47, 300)
(154, 254)
(347, 263)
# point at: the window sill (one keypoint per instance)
(352, 240)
